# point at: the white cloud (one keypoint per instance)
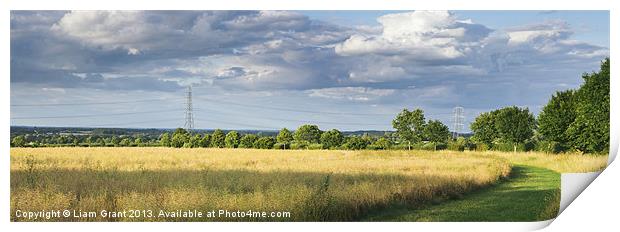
(109, 29)
(376, 72)
(424, 35)
(547, 32)
(350, 93)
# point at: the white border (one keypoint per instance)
(603, 188)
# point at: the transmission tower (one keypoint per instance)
(189, 111)
(458, 120)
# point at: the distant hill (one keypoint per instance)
(22, 130)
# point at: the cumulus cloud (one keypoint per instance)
(424, 35)
(278, 50)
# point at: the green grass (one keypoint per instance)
(530, 194)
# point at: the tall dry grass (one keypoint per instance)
(312, 185)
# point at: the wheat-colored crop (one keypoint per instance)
(313, 185)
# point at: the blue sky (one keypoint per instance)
(350, 70)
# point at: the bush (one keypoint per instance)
(380, 144)
(430, 146)
(247, 141)
(314, 146)
(280, 146)
(460, 144)
(299, 145)
(549, 147)
(481, 147)
(264, 143)
(508, 147)
(399, 147)
(355, 143)
(456, 146)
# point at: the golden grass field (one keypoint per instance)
(313, 185)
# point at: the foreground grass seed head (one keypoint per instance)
(317, 185)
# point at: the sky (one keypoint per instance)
(348, 70)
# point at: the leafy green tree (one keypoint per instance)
(556, 117)
(308, 133)
(382, 144)
(590, 130)
(194, 141)
(356, 143)
(484, 129)
(76, 142)
(164, 139)
(515, 125)
(332, 138)
(114, 141)
(285, 137)
(179, 138)
(217, 139)
(409, 126)
(18, 141)
(89, 140)
(264, 142)
(247, 141)
(138, 142)
(205, 141)
(435, 131)
(100, 142)
(126, 142)
(232, 139)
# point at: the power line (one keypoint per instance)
(96, 115)
(240, 124)
(90, 103)
(305, 121)
(132, 123)
(294, 110)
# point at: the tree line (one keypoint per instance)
(573, 120)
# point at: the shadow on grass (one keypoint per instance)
(309, 196)
(531, 194)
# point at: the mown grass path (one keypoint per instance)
(530, 194)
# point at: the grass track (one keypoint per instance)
(530, 194)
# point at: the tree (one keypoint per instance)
(590, 130)
(217, 139)
(114, 141)
(247, 141)
(89, 140)
(18, 141)
(232, 139)
(356, 143)
(164, 139)
(126, 142)
(308, 133)
(284, 137)
(409, 126)
(484, 129)
(264, 142)
(435, 131)
(556, 117)
(205, 141)
(332, 138)
(179, 138)
(100, 142)
(138, 142)
(382, 144)
(194, 141)
(515, 125)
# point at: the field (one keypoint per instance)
(313, 185)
